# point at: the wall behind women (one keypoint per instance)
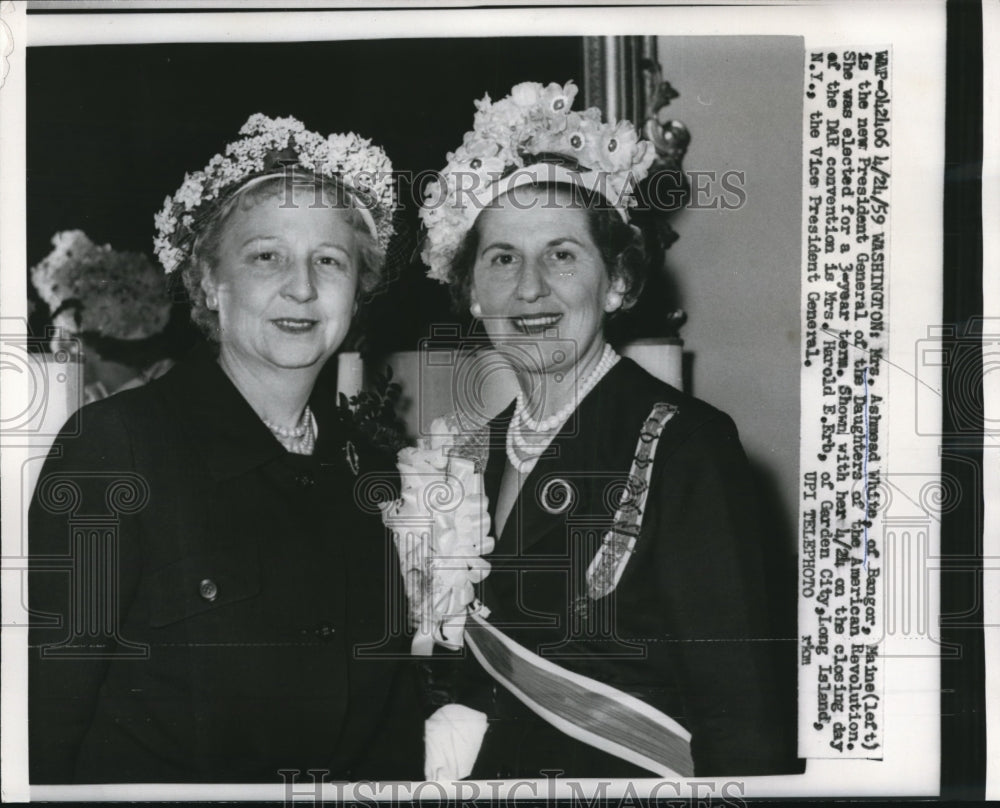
(736, 272)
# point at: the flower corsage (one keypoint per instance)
(441, 525)
(370, 417)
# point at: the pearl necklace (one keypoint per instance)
(299, 439)
(522, 451)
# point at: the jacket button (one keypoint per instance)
(208, 589)
(305, 480)
(325, 632)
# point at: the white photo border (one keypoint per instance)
(912, 760)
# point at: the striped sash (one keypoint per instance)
(585, 709)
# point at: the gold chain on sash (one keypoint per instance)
(605, 571)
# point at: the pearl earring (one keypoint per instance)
(212, 302)
(613, 302)
(476, 309)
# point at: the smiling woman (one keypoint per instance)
(621, 506)
(548, 258)
(275, 281)
(246, 578)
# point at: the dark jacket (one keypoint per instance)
(686, 630)
(254, 621)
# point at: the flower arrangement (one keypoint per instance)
(530, 135)
(271, 145)
(441, 526)
(121, 294)
(372, 412)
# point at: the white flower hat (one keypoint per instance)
(271, 147)
(530, 136)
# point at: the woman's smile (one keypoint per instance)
(536, 323)
(295, 325)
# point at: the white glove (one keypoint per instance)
(452, 738)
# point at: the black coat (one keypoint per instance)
(686, 630)
(249, 583)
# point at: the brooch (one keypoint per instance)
(351, 456)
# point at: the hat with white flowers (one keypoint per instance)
(530, 136)
(275, 147)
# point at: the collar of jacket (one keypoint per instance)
(232, 437)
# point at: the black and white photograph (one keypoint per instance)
(487, 403)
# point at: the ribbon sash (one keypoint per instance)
(585, 709)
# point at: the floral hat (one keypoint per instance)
(120, 294)
(530, 136)
(270, 147)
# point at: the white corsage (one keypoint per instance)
(441, 527)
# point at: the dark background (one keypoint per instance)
(111, 131)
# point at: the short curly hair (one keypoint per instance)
(205, 253)
(621, 245)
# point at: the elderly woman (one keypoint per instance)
(209, 601)
(626, 632)
(109, 309)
